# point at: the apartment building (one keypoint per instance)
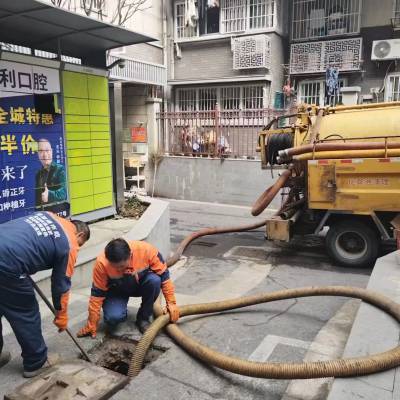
(354, 37)
(229, 52)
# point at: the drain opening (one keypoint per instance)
(115, 354)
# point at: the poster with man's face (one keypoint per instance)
(32, 153)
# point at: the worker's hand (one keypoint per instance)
(61, 321)
(173, 310)
(45, 194)
(89, 329)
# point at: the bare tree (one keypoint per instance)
(126, 9)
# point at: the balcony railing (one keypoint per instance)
(314, 19)
(138, 71)
(316, 57)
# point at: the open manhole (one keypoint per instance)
(115, 354)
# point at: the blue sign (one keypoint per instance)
(32, 160)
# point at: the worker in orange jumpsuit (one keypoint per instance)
(124, 270)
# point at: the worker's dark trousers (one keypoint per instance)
(20, 307)
(115, 306)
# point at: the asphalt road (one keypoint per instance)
(233, 265)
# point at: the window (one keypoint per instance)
(183, 29)
(228, 97)
(207, 99)
(223, 16)
(321, 18)
(393, 88)
(261, 14)
(186, 99)
(313, 92)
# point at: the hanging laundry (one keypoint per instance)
(212, 3)
(191, 14)
(332, 81)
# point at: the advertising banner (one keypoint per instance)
(32, 153)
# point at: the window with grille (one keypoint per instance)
(183, 30)
(396, 13)
(313, 92)
(321, 18)
(393, 88)
(186, 99)
(229, 98)
(261, 14)
(253, 97)
(207, 99)
(227, 17)
(251, 52)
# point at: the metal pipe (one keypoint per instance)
(322, 155)
(293, 151)
(52, 309)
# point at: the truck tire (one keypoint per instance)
(352, 243)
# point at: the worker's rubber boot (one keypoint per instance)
(143, 325)
(5, 357)
(52, 359)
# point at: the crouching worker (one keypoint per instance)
(27, 245)
(124, 270)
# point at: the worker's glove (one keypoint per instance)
(169, 294)
(61, 321)
(90, 329)
(173, 311)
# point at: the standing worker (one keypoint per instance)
(124, 270)
(30, 244)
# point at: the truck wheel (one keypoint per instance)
(352, 244)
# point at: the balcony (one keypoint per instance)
(316, 57)
(314, 19)
(138, 72)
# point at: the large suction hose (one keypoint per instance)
(323, 155)
(266, 198)
(274, 370)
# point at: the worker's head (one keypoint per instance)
(45, 152)
(82, 231)
(118, 253)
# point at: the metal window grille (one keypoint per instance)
(393, 88)
(321, 18)
(233, 15)
(183, 31)
(186, 99)
(230, 98)
(251, 52)
(396, 14)
(313, 92)
(253, 97)
(344, 54)
(14, 48)
(261, 14)
(207, 99)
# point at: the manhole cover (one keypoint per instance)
(76, 380)
(116, 354)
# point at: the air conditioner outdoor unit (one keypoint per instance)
(385, 49)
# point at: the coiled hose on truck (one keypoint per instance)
(273, 370)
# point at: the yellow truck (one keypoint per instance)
(344, 174)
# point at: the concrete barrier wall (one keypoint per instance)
(228, 181)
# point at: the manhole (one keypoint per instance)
(116, 354)
(205, 244)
